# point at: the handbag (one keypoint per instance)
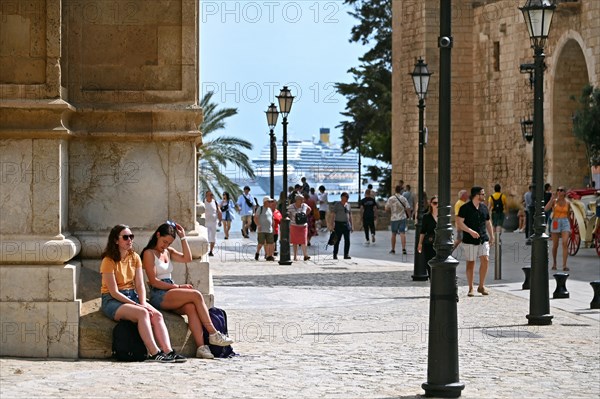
(333, 238)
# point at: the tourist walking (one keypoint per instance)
(340, 218)
(298, 214)
(245, 206)
(276, 221)
(368, 213)
(183, 299)
(312, 221)
(463, 197)
(263, 217)
(559, 226)
(427, 233)
(323, 206)
(227, 211)
(529, 210)
(410, 198)
(497, 204)
(212, 216)
(478, 234)
(398, 207)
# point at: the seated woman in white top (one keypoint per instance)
(180, 298)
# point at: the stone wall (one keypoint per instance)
(490, 95)
(99, 125)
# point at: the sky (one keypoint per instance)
(250, 49)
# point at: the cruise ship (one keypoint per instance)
(321, 162)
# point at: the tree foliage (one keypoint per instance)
(368, 126)
(216, 153)
(586, 122)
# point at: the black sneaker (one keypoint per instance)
(256, 256)
(404, 252)
(160, 357)
(210, 254)
(347, 257)
(177, 358)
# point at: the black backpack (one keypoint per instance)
(219, 320)
(498, 205)
(127, 345)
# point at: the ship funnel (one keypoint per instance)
(324, 132)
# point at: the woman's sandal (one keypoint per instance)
(566, 269)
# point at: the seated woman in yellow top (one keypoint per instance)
(124, 295)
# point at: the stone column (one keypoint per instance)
(99, 126)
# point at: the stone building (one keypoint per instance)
(490, 95)
(98, 126)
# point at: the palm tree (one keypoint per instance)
(216, 153)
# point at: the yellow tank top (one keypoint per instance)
(560, 211)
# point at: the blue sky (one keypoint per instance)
(250, 49)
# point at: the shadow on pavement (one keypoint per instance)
(356, 279)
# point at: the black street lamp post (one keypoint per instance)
(538, 17)
(420, 77)
(272, 115)
(442, 356)
(285, 99)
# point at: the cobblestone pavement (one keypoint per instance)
(353, 329)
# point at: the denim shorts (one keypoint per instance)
(110, 305)
(398, 226)
(157, 295)
(559, 225)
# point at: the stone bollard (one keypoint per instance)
(595, 304)
(527, 271)
(561, 285)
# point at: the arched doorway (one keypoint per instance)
(568, 165)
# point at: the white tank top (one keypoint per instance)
(162, 269)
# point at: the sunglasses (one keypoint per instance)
(561, 189)
(434, 203)
(126, 237)
(172, 224)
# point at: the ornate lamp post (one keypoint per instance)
(420, 77)
(442, 356)
(285, 99)
(272, 115)
(538, 16)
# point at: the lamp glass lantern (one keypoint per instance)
(272, 115)
(420, 76)
(285, 99)
(538, 17)
(527, 129)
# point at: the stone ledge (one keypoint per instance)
(95, 331)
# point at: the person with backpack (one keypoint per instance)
(183, 299)
(398, 206)
(497, 204)
(298, 214)
(124, 295)
(263, 218)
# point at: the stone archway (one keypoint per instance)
(567, 160)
